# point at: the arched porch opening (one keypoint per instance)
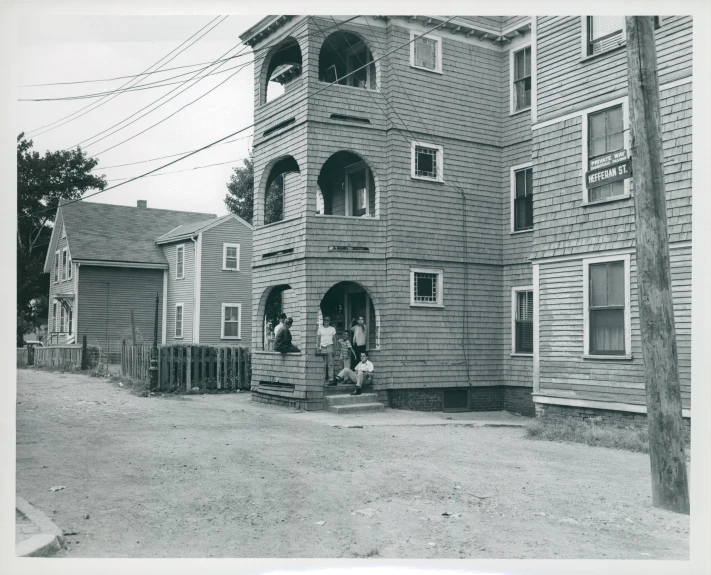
(275, 301)
(279, 181)
(347, 186)
(282, 66)
(344, 303)
(346, 59)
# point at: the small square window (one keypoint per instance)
(426, 161)
(425, 52)
(426, 287)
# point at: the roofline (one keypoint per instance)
(53, 241)
(263, 28)
(211, 225)
(119, 264)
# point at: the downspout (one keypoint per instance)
(197, 248)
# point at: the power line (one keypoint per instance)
(186, 170)
(254, 50)
(275, 114)
(98, 104)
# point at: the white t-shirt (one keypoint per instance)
(327, 334)
(278, 328)
(367, 366)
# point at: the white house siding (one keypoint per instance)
(220, 286)
(180, 291)
(62, 286)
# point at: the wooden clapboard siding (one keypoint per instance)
(564, 372)
(107, 295)
(564, 225)
(180, 290)
(566, 84)
(220, 286)
(62, 286)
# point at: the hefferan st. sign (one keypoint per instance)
(609, 174)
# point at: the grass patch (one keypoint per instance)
(634, 439)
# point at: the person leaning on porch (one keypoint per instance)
(359, 331)
(324, 344)
(278, 327)
(363, 372)
(282, 343)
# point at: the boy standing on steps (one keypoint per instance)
(325, 341)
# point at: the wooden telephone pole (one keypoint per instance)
(670, 488)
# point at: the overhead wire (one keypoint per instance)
(88, 108)
(211, 144)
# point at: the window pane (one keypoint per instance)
(519, 65)
(607, 331)
(616, 283)
(598, 286)
(529, 181)
(527, 67)
(231, 313)
(596, 125)
(231, 329)
(426, 53)
(425, 162)
(524, 337)
(529, 211)
(231, 252)
(607, 191)
(425, 287)
(520, 183)
(604, 25)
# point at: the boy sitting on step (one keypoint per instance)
(363, 373)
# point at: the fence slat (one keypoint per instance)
(218, 357)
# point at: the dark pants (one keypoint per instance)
(291, 349)
(358, 349)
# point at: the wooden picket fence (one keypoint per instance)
(23, 356)
(63, 356)
(182, 367)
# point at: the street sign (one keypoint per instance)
(609, 174)
(608, 160)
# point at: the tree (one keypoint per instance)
(41, 182)
(240, 196)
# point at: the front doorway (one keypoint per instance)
(343, 303)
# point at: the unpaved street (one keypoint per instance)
(220, 476)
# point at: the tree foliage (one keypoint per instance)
(41, 182)
(240, 188)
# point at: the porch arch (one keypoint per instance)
(341, 178)
(344, 301)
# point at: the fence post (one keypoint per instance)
(188, 368)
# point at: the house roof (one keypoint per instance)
(187, 230)
(119, 234)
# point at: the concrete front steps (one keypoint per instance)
(344, 403)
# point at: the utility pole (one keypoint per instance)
(153, 369)
(670, 488)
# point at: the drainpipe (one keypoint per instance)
(195, 276)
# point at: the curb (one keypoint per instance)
(47, 542)
(422, 424)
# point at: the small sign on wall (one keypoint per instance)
(607, 160)
(609, 174)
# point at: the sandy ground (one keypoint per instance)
(220, 476)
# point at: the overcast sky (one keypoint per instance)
(77, 48)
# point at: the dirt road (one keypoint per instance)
(220, 476)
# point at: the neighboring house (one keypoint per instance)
(439, 190)
(108, 262)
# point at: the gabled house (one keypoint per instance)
(108, 263)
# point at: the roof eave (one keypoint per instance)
(264, 28)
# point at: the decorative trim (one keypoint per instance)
(587, 262)
(239, 321)
(572, 257)
(536, 328)
(116, 264)
(440, 286)
(594, 404)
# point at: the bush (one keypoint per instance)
(630, 439)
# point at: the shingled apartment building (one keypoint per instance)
(429, 174)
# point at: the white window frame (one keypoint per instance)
(512, 60)
(586, 305)
(62, 318)
(178, 249)
(440, 285)
(224, 257)
(239, 320)
(69, 266)
(625, 138)
(54, 316)
(65, 264)
(357, 167)
(437, 39)
(440, 161)
(586, 34)
(182, 321)
(512, 184)
(57, 262)
(514, 301)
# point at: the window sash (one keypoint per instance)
(179, 321)
(604, 33)
(64, 265)
(522, 79)
(230, 321)
(231, 257)
(606, 308)
(426, 53)
(523, 199)
(54, 317)
(426, 162)
(180, 262)
(611, 137)
(56, 267)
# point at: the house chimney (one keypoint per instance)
(142, 204)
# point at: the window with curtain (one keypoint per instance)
(605, 135)
(604, 33)
(607, 308)
(524, 322)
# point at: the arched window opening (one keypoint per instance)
(279, 182)
(284, 66)
(278, 302)
(347, 186)
(346, 59)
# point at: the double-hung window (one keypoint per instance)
(522, 198)
(230, 257)
(62, 318)
(522, 316)
(178, 320)
(606, 144)
(607, 306)
(521, 87)
(426, 162)
(56, 267)
(603, 33)
(54, 316)
(180, 262)
(425, 52)
(231, 321)
(69, 266)
(65, 264)
(426, 287)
